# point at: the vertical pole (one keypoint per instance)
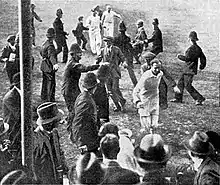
(26, 78)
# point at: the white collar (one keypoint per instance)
(107, 161)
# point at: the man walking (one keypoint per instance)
(60, 35)
(49, 67)
(193, 53)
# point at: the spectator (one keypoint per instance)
(78, 33)
(115, 174)
(60, 36)
(214, 139)
(71, 76)
(201, 152)
(152, 156)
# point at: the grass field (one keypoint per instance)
(177, 18)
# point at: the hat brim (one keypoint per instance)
(90, 87)
(58, 117)
(188, 147)
(168, 153)
(6, 126)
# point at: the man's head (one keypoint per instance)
(155, 66)
(80, 18)
(75, 51)
(108, 8)
(193, 36)
(109, 146)
(32, 6)
(11, 39)
(108, 40)
(140, 23)
(59, 13)
(108, 128)
(155, 22)
(94, 12)
(50, 33)
(90, 82)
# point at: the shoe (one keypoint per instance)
(200, 102)
(176, 101)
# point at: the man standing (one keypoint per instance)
(108, 21)
(113, 55)
(72, 74)
(156, 38)
(85, 126)
(48, 67)
(123, 42)
(34, 16)
(140, 41)
(193, 53)
(60, 35)
(93, 22)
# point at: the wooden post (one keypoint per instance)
(26, 78)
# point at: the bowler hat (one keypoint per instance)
(108, 128)
(10, 38)
(50, 33)
(108, 38)
(155, 21)
(152, 150)
(74, 48)
(90, 81)
(121, 26)
(4, 127)
(148, 56)
(193, 36)
(59, 11)
(103, 71)
(48, 112)
(199, 144)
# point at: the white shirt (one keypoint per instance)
(94, 23)
(108, 17)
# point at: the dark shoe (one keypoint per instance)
(176, 101)
(200, 102)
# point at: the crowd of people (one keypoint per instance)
(108, 155)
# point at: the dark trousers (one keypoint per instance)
(48, 87)
(80, 40)
(185, 81)
(11, 69)
(62, 46)
(162, 93)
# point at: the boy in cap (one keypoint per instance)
(202, 154)
(49, 67)
(60, 35)
(49, 161)
(72, 73)
(191, 57)
(78, 33)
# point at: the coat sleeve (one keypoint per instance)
(100, 56)
(82, 68)
(168, 76)
(202, 61)
(36, 16)
(154, 36)
(52, 54)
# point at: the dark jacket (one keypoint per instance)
(157, 41)
(192, 54)
(79, 29)
(115, 174)
(59, 31)
(85, 127)
(208, 173)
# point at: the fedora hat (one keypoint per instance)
(50, 33)
(59, 11)
(193, 36)
(90, 81)
(108, 38)
(121, 26)
(4, 127)
(152, 150)
(75, 48)
(199, 144)
(48, 112)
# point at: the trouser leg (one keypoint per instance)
(92, 42)
(98, 43)
(78, 40)
(117, 91)
(65, 52)
(48, 87)
(132, 75)
(163, 93)
(180, 84)
(84, 42)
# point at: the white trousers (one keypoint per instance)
(109, 29)
(148, 122)
(95, 42)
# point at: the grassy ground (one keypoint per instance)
(177, 18)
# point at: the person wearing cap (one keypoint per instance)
(48, 67)
(201, 152)
(78, 33)
(152, 155)
(108, 21)
(124, 43)
(146, 96)
(12, 116)
(72, 73)
(147, 57)
(60, 35)
(33, 16)
(85, 126)
(93, 22)
(8, 57)
(48, 158)
(115, 174)
(156, 38)
(191, 57)
(113, 55)
(140, 41)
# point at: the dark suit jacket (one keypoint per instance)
(79, 29)
(115, 58)
(59, 31)
(157, 41)
(115, 174)
(85, 127)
